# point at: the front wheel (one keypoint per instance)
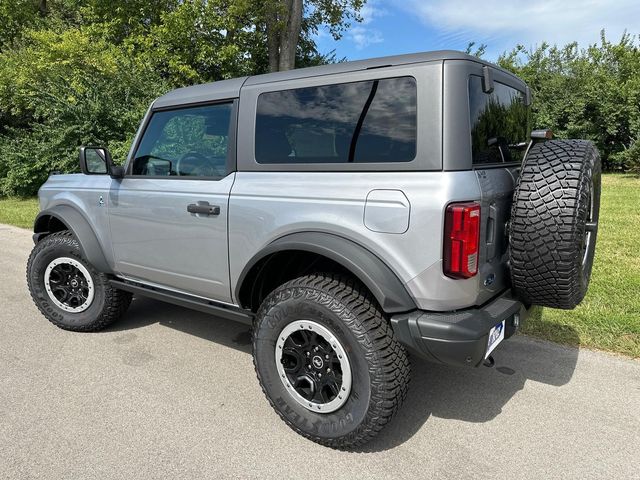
(66, 288)
(327, 360)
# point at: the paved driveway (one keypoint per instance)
(171, 393)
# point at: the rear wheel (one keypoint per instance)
(328, 361)
(66, 288)
(554, 223)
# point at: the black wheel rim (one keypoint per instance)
(69, 285)
(313, 366)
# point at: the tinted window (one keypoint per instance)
(499, 123)
(372, 121)
(188, 142)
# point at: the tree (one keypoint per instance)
(591, 93)
(14, 17)
(61, 90)
(479, 52)
(74, 72)
(284, 21)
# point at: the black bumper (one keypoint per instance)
(460, 337)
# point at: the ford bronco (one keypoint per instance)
(350, 213)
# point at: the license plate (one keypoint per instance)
(496, 335)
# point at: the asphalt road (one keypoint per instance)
(171, 393)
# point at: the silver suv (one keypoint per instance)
(349, 213)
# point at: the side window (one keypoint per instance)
(499, 123)
(185, 142)
(360, 122)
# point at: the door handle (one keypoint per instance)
(203, 208)
(492, 225)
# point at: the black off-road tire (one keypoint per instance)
(108, 304)
(554, 223)
(379, 364)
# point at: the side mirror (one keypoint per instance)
(97, 161)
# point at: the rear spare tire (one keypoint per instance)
(554, 223)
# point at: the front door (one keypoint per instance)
(168, 215)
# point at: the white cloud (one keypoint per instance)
(361, 34)
(363, 37)
(503, 24)
(372, 10)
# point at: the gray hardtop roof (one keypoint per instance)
(207, 92)
(224, 89)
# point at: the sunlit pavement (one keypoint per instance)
(171, 393)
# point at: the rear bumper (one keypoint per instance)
(460, 337)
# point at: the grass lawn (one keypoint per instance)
(608, 318)
(20, 213)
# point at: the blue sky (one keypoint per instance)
(405, 26)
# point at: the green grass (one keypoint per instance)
(20, 213)
(608, 318)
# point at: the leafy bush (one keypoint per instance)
(76, 72)
(591, 93)
(63, 90)
(629, 158)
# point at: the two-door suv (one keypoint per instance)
(349, 212)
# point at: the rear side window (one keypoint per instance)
(499, 123)
(359, 122)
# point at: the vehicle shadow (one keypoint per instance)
(146, 311)
(477, 394)
(468, 394)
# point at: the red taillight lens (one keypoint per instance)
(461, 239)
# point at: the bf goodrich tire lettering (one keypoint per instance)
(107, 303)
(554, 223)
(379, 364)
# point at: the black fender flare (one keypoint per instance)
(376, 275)
(74, 221)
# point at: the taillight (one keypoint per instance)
(461, 239)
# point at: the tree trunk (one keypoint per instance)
(42, 8)
(283, 25)
(273, 35)
(290, 35)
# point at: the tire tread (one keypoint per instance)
(389, 366)
(547, 223)
(116, 301)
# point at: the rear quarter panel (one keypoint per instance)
(265, 206)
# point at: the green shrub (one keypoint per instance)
(64, 90)
(591, 93)
(629, 159)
